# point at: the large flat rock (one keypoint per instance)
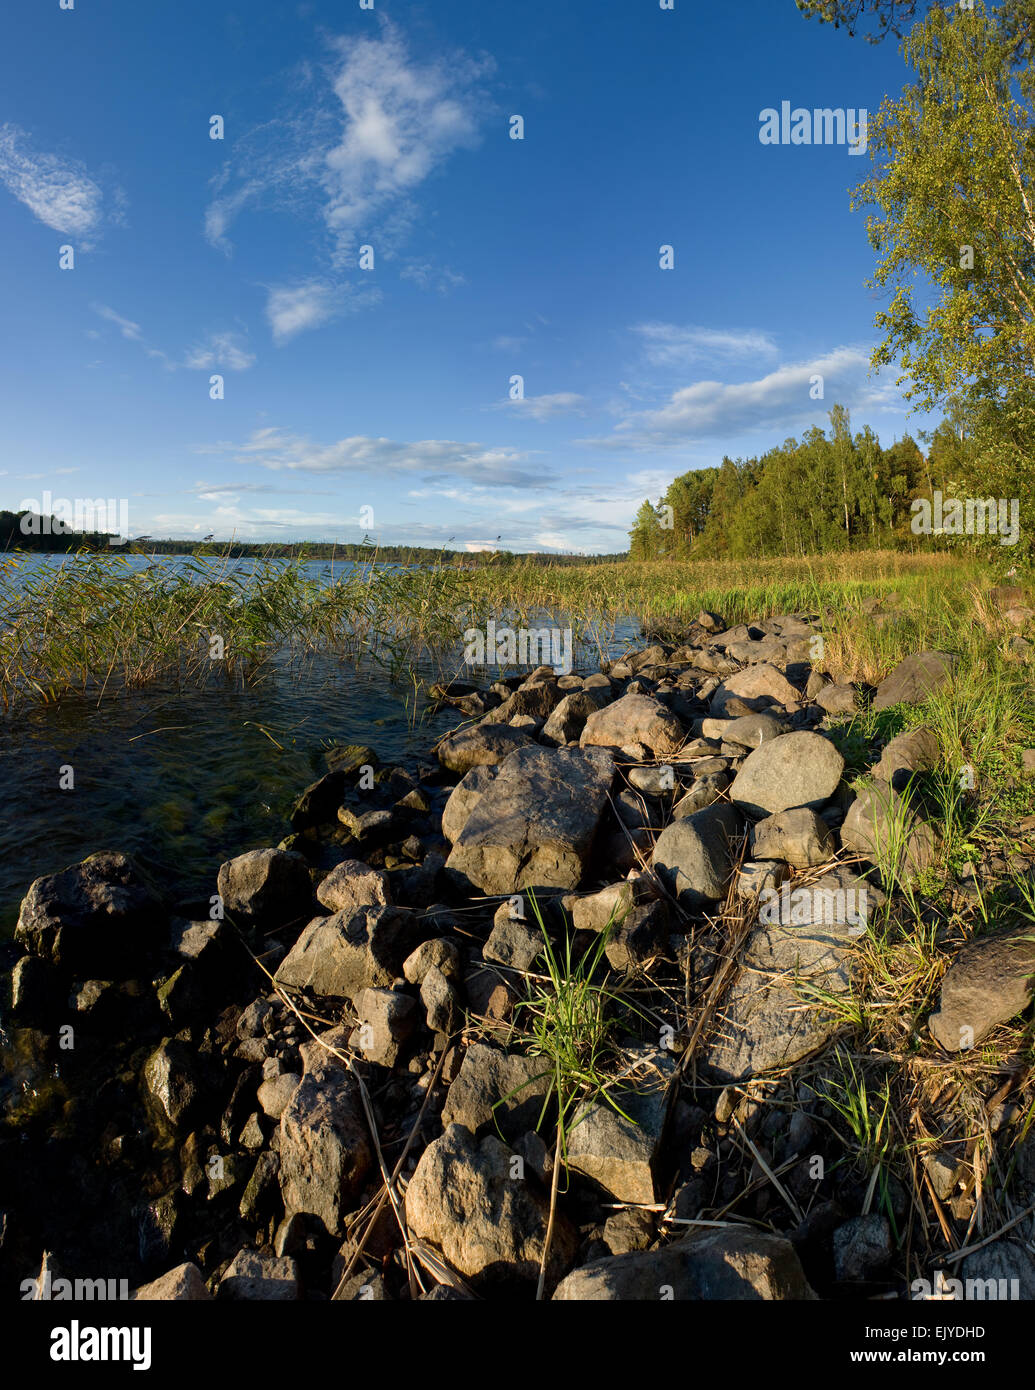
(534, 825)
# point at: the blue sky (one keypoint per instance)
(378, 400)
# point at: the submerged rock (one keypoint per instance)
(101, 915)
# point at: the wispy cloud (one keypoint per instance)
(546, 407)
(227, 350)
(292, 309)
(351, 154)
(677, 345)
(220, 350)
(426, 458)
(780, 400)
(58, 192)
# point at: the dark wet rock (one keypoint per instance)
(490, 1226)
(318, 804)
(268, 887)
(634, 719)
(862, 1248)
(37, 990)
(484, 744)
(568, 719)
(335, 957)
(171, 1082)
(534, 826)
(989, 982)
(735, 1264)
(99, 916)
(914, 679)
(799, 769)
(694, 856)
(325, 1147)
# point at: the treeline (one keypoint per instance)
(45, 533)
(830, 491)
(52, 535)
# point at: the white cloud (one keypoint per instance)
(58, 192)
(356, 155)
(778, 401)
(428, 458)
(428, 276)
(675, 345)
(221, 350)
(126, 327)
(292, 309)
(545, 407)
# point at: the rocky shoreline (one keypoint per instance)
(324, 1081)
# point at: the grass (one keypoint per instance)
(574, 1029)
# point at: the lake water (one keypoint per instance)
(185, 780)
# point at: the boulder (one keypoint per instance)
(750, 730)
(269, 887)
(568, 719)
(735, 1264)
(171, 1083)
(881, 824)
(694, 856)
(353, 884)
(325, 1148)
(804, 947)
(634, 719)
(99, 916)
(498, 1092)
(489, 1224)
(799, 769)
(989, 982)
(440, 952)
(620, 1151)
(251, 1275)
(914, 679)
(917, 750)
(464, 798)
(336, 957)
(535, 825)
(798, 837)
(387, 1019)
(481, 745)
(184, 1284)
(757, 686)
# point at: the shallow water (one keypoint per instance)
(185, 780)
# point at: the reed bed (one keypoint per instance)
(104, 624)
